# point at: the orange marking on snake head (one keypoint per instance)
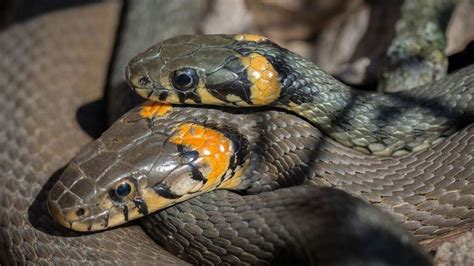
(266, 87)
(151, 109)
(250, 37)
(214, 148)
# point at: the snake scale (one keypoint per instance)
(461, 138)
(120, 178)
(248, 70)
(29, 158)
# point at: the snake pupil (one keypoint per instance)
(123, 189)
(184, 79)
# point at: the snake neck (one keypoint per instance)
(371, 122)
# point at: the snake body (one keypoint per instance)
(220, 226)
(49, 71)
(36, 240)
(249, 70)
(429, 191)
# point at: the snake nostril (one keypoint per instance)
(80, 212)
(144, 81)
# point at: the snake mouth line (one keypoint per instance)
(142, 91)
(96, 222)
(156, 94)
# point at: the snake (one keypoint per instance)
(250, 70)
(141, 164)
(53, 73)
(51, 79)
(138, 167)
(39, 241)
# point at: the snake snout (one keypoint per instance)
(72, 200)
(65, 208)
(138, 76)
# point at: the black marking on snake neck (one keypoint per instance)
(239, 86)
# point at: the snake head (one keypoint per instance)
(142, 164)
(234, 70)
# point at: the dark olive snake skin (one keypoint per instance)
(248, 70)
(430, 191)
(39, 242)
(282, 228)
(224, 227)
(47, 73)
(68, 75)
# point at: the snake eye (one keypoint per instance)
(122, 190)
(184, 79)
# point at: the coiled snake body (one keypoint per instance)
(28, 234)
(139, 167)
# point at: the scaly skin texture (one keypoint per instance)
(226, 70)
(43, 242)
(48, 75)
(141, 149)
(298, 225)
(430, 191)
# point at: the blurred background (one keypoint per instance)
(347, 38)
